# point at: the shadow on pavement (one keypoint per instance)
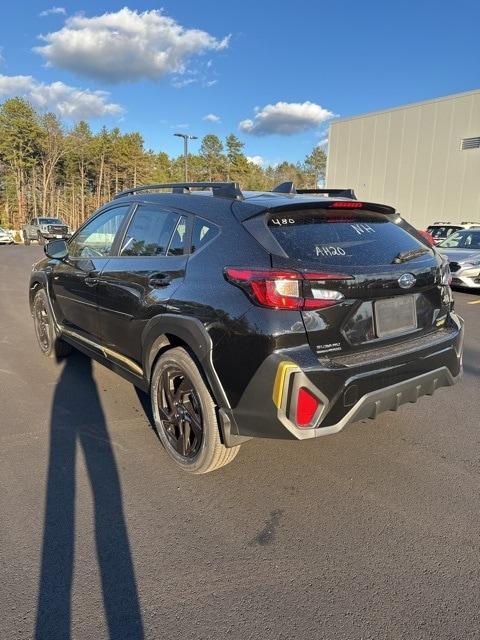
(77, 419)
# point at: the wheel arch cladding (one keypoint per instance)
(158, 335)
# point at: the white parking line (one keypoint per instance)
(474, 302)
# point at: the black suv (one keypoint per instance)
(284, 314)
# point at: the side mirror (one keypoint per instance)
(57, 249)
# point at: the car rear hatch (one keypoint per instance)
(368, 278)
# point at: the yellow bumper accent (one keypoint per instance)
(278, 385)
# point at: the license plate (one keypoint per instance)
(59, 235)
(395, 315)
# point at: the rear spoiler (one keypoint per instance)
(347, 203)
(289, 187)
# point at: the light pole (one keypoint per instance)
(186, 137)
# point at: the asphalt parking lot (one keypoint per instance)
(372, 533)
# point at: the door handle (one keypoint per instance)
(159, 280)
(91, 279)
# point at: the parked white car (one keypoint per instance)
(462, 249)
(6, 237)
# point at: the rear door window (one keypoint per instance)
(149, 232)
(341, 239)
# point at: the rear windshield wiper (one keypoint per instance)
(405, 256)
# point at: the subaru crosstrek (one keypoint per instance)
(284, 314)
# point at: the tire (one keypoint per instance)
(177, 379)
(26, 240)
(41, 239)
(48, 341)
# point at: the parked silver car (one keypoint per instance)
(6, 237)
(462, 249)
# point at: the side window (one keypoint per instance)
(203, 232)
(177, 243)
(96, 238)
(149, 232)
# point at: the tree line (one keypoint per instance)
(47, 169)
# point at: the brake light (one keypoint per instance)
(307, 406)
(348, 204)
(286, 289)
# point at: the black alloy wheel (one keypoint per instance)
(43, 327)
(180, 412)
(185, 414)
(49, 342)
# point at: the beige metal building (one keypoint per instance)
(423, 158)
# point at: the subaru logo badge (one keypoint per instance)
(407, 280)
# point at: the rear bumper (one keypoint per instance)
(348, 393)
(55, 236)
(387, 399)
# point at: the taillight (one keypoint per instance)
(428, 237)
(287, 289)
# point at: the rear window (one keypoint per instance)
(341, 239)
(441, 232)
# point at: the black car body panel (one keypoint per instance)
(125, 308)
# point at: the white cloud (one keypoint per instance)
(125, 45)
(179, 84)
(285, 118)
(211, 117)
(53, 11)
(258, 160)
(322, 143)
(68, 102)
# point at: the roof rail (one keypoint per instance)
(469, 222)
(334, 193)
(219, 189)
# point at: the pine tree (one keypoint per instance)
(211, 151)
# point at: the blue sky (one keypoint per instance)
(271, 72)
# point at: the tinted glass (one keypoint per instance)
(341, 239)
(441, 232)
(149, 232)
(203, 232)
(462, 240)
(177, 243)
(49, 221)
(96, 238)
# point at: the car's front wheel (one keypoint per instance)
(26, 240)
(40, 238)
(185, 414)
(48, 341)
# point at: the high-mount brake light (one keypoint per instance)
(286, 289)
(346, 205)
